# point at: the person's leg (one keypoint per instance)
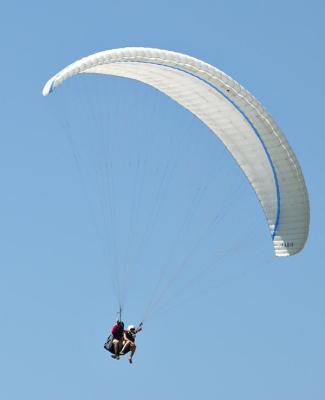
(116, 349)
(125, 348)
(133, 349)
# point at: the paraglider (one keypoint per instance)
(121, 342)
(129, 341)
(117, 338)
(237, 119)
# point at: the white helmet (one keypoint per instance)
(131, 327)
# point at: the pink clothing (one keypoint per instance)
(117, 332)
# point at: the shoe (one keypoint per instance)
(130, 360)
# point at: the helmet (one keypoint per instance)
(131, 327)
(120, 323)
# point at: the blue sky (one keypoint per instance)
(252, 326)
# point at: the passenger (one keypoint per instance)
(129, 340)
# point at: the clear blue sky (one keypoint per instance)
(253, 327)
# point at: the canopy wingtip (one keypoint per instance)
(48, 87)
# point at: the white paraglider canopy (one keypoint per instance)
(235, 117)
